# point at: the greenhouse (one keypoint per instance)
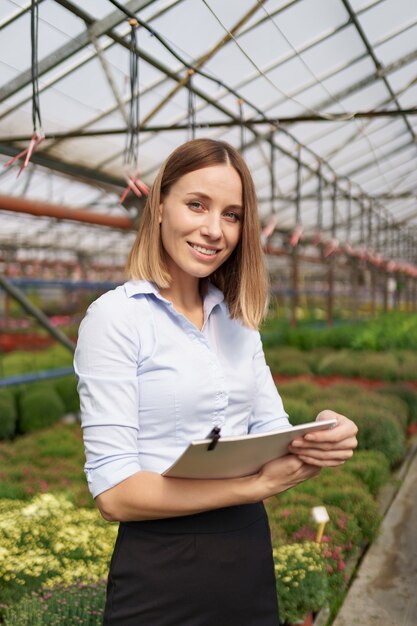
(319, 97)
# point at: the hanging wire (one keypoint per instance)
(34, 38)
(272, 173)
(191, 106)
(242, 126)
(132, 137)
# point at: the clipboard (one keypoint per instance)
(234, 457)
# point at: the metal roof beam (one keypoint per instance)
(12, 18)
(378, 65)
(72, 47)
(202, 60)
(69, 169)
(369, 164)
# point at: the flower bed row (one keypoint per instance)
(399, 365)
(387, 331)
(50, 545)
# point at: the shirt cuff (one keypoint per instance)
(110, 474)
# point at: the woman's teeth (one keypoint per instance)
(203, 250)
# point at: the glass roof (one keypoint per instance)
(322, 87)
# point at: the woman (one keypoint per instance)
(161, 361)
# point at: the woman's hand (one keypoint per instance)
(282, 474)
(327, 448)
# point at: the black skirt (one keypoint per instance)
(209, 569)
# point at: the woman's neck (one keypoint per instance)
(186, 299)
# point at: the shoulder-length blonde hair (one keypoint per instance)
(242, 277)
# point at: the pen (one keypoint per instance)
(214, 435)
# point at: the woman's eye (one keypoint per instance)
(195, 204)
(235, 217)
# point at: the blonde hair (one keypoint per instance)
(242, 277)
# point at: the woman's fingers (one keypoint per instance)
(321, 462)
(342, 437)
(299, 446)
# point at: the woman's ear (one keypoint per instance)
(160, 211)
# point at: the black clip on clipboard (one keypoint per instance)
(214, 435)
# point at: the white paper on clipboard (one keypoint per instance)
(238, 456)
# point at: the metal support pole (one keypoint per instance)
(385, 291)
(35, 312)
(354, 280)
(294, 286)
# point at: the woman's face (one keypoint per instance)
(201, 221)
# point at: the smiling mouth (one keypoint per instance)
(203, 250)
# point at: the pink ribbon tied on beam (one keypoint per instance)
(268, 230)
(136, 185)
(331, 247)
(36, 139)
(295, 237)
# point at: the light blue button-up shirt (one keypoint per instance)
(150, 382)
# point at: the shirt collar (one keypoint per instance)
(137, 287)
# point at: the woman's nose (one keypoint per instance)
(212, 226)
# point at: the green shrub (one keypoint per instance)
(77, 605)
(371, 466)
(298, 389)
(365, 364)
(384, 435)
(316, 355)
(45, 460)
(407, 364)
(379, 366)
(294, 366)
(359, 503)
(39, 408)
(8, 415)
(391, 407)
(350, 495)
(407, 394)
(22, 362)
(67, 390)
(299, 411)
(343, 363)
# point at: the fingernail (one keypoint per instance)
(296, 443)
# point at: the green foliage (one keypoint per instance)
(389, 331)
(407, 394)
(371, 466)
(45, 460)
(298, 389)
(67, 390)
(8, 415)
(299, 411)
(377, 366)
(76, 605)
(21, 362)
(350, 495)
(293, 367)
(39, 408)
(384, 435)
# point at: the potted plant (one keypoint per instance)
(302, 581)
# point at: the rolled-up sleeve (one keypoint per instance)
(268, 413)
(106, 363)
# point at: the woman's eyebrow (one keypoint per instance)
(203, 195)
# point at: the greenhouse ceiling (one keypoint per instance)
(320, 95)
